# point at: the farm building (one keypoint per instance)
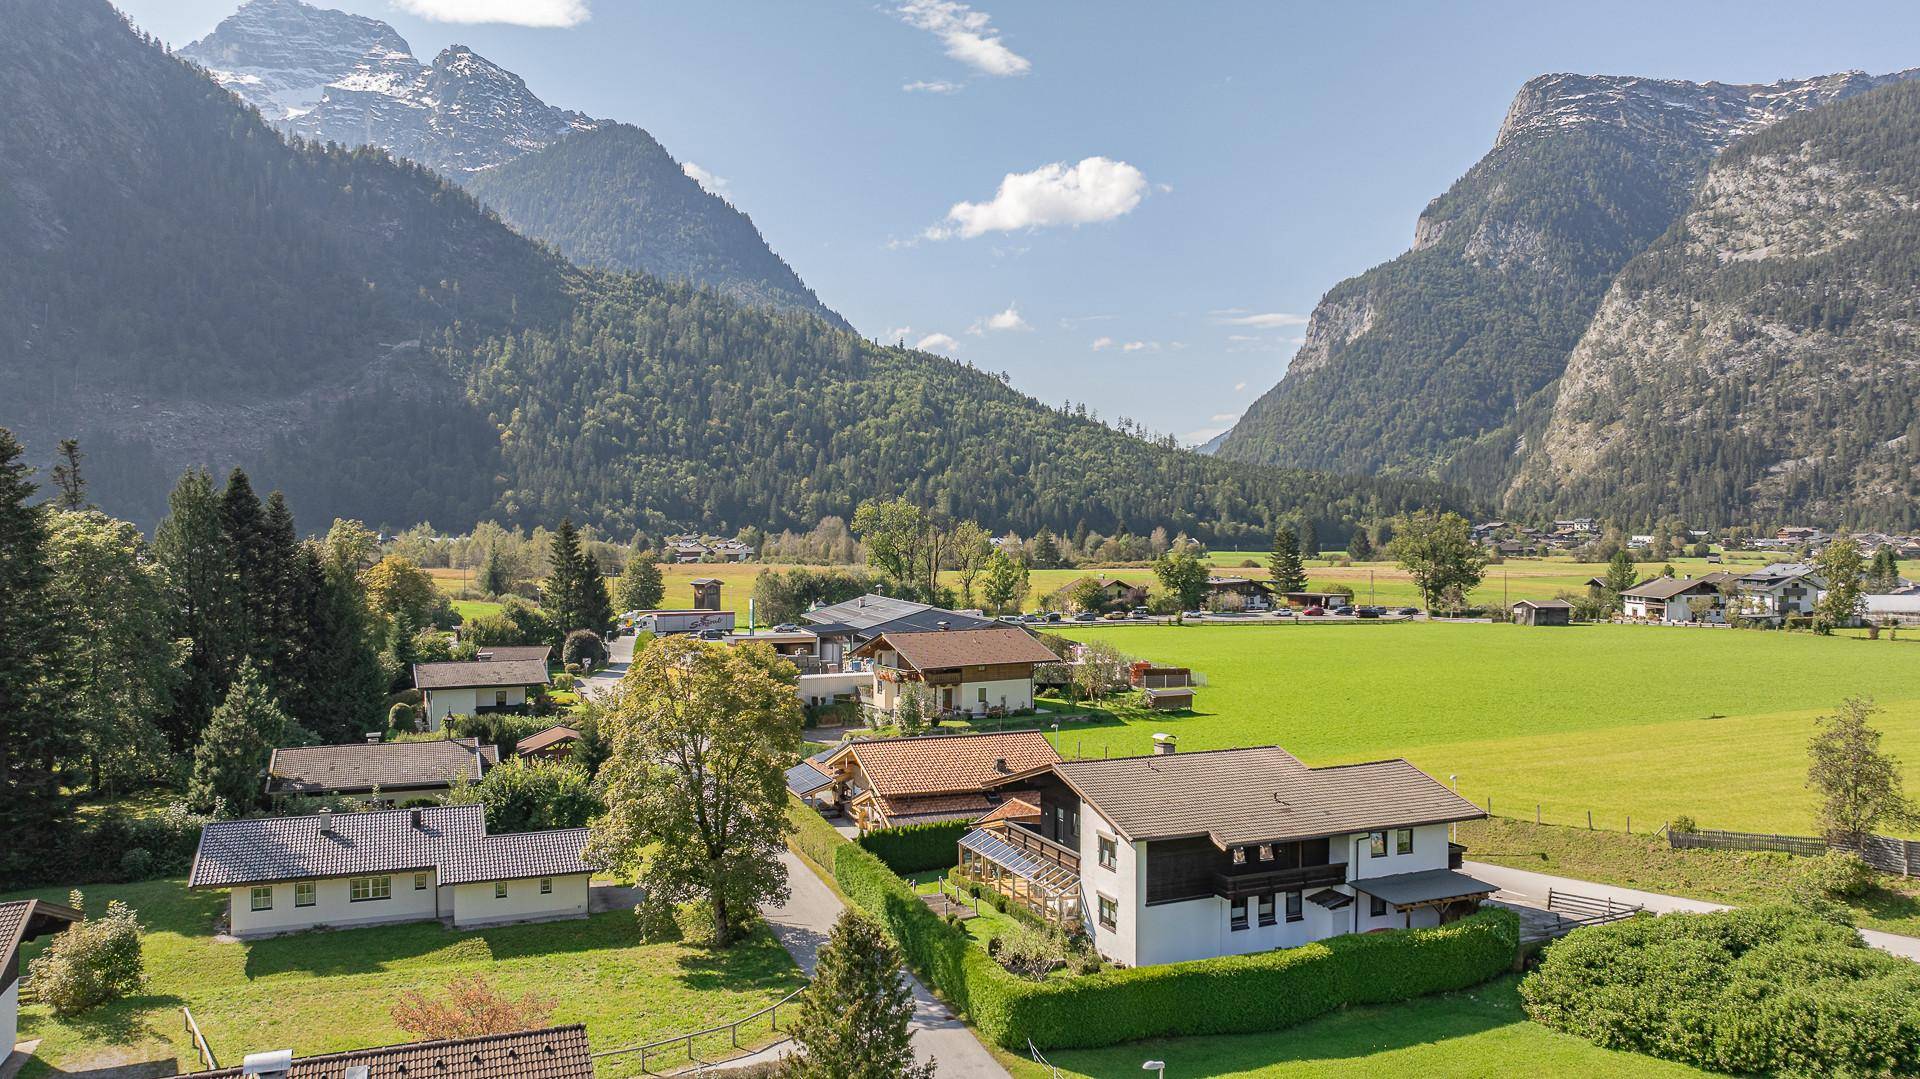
(1169, 699)
(1543, 612)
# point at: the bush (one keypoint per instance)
(91, 963)
(916, 848)
(1230, 995)
(1028, 952)
(136, 864)
(585, 649)
(525, 795)
(1756, 989)
(403, 717)
(1837, 874)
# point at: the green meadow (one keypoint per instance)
(1643, 722)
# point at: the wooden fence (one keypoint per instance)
(200, 1046)
(685, 1050)
(1883, 853)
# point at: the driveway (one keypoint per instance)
(803, 923)
(619, 656)
(1531, 888)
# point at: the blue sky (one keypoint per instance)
(1127, 204)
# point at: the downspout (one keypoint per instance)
(1353, 866)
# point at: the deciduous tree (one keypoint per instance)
(1183, 573)
(1858, 785)
(695, 785)
(639, 587)
(1438, 552)
(91, 963)
(1007, 582)
(1839, 564)
(523, 795)
(472, 1007)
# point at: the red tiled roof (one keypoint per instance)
(947, 764)
(944, 649)
(553, 1053)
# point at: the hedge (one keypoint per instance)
(1229, 995)
(914, 848)
(812, 836)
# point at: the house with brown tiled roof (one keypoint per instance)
(987, 670)
(394, 771)
(892, 782)
(551, 1053)
(335, 870)
(1176, 856)
(474, 686)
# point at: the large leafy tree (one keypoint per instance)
(895, 533)
(1858, 784)
(968, 548)
(639, 587)
(1288, 571)
(191, 547)
(856, 1016)
(1183, 573)
(112, 605)
(1843, 569)
(230, 763)
(401, 591)
(34, 734)
(524, 795)
(696, 796)
(1438, 552)
(1007, 582)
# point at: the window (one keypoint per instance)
(1293, 907)
(1109, 913)
(499, 889)
(419, 882)
(304, 894)
(1266, 852)
(1377, 844)
(1376, 907)
(1237, 914)
(262, 897)
(1403, 841)
(546, 885)
(363, 889)
(1266, 909)
(1239, 856)
(1109, 852)
(983, 694)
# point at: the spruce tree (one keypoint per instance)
(596, 607)
(856, 1017)
(1360, 546)
(563, 592)
(230, 763)
(1289, 574)
(1883, 576)
(348, 685)
(67, 477)
(243, 524)
(493, 574)
(34, 735)
(192, 547)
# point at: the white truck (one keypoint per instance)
(664, 623)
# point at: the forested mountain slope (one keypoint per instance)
(606, 194)
(613, 198)
(1438, 362)
(183, 287)
(1763, 352)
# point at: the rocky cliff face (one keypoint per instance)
(328, 76)
(1442, 361)
(1760, 354)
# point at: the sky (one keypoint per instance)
(1130, 205)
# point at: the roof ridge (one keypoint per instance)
(1361, 764)
(1189, 754)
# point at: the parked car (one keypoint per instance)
(1314, 612)
(1141, 614)
(1280, 612)
(786, 627)
(712, 635)
(1053, 616)
(1086, 616)
(1193, 614)
(1117, 616)
(1369, 612)
(1409, 611)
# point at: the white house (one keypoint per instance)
(1175, 856)
(966, 670)
(892, 782)
(285, 874)
(1780, 590)
(22, 920)
(471, 688)
(1678, 599)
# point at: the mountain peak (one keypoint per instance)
(280, 55)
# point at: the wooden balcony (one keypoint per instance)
(1038, 846)
(1254, 881)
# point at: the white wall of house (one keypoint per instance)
(442, 703)
(478, 904)
(818, 689)
(10, 1016)
(1125, 883)
(1641, 607)
(333, 906)
(1012, 694)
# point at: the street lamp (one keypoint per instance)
(1157, 1066)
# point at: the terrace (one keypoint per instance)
(1042, 876)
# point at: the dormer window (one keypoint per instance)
(1239, 856)
(1266, 852)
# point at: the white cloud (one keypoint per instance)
(1097, 189)
(968, 35)
(716, 185)
(1202, 436)
(1102, 343)
(933, 86)
(938, 342)
(543, 13)
(1270, 320)
(998, 323)
(1239, 387)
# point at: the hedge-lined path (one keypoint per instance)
(1531, 888)
(802, 925)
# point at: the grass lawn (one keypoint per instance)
(1639, 721)
(1476, 1033)
(327, 991)
(470, 609)
(1650, 864)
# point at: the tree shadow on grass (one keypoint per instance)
(325, 953)
(758, 962)
(1891, 905)
(124, 1022)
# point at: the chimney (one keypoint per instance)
(415, 815)
(999, 764)
(267, 1065)
(373, 738)
(1163, 744)
(326, 828)
(942, 625)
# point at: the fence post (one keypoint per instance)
(1536, 812)
(1589, 820)
(1629, 824)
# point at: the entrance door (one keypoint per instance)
(946, 699)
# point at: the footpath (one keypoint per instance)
(1532, 887)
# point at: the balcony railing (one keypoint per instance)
(1261, 882)
(1037, 845)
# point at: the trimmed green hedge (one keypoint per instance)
(915, 848)
(812, 836)
(1231, 995)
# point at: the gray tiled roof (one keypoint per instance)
(553, 1053)
(359, 766)
(1240, 797)
(266, 849)
(517, 856)
(22, 920)
(871, 615)
(511, 672)
(508, 653)
(452, 840)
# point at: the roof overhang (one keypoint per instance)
(1430, 887)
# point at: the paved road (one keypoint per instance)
(803, 923)
(1533, 886)
(619, 655)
